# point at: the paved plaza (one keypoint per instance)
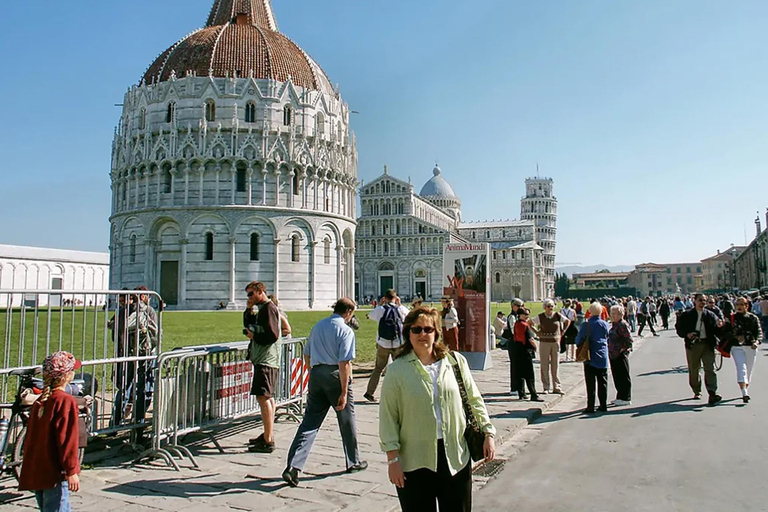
(238, 480)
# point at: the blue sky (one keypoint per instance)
(649, 115)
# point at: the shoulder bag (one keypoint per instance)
(474, 436)
(582, 351)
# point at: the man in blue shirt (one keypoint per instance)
(329, 351)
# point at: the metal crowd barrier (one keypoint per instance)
(199, 387)
(101, 329)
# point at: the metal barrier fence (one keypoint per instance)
(200, 387)
(116, 333)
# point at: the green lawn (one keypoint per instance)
(86, 334)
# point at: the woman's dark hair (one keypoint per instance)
(440, 349)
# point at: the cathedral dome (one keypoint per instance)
(240, 38)
(437, 186)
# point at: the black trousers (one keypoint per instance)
(426, 489)
(644, 320)
(665, 321)
(621, 377)
(596, 378)
(513, 381)
(524, 372)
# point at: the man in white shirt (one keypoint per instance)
(390, 315)
(632, 313)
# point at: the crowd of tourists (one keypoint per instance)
(433, 422)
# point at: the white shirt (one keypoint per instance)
(376, 315)
(451, 319)
(434, 370)
(631, 307)
(568, 313)
(700, 326)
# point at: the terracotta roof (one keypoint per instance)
(240, 36)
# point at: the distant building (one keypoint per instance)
(37, 268)
(601, 279)
(667, 278)
(719, 272)
(751, 265)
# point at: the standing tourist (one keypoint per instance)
(699, 327)
(261, 323)
(390, 315)
(285, 326)
(51, 465)
(743, 333)
(499, 324)
(450, 324)
(579, 309)
(569, 336)
(664, 312)
(632, 313)
(619, 347)
(508, 334)
(119, 336)
(595, 332)
(524, 347)
(550, 326)
(329, 352)
(422, 420)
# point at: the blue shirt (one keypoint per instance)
(331, 341)
(598, 341)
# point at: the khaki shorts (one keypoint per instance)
(264, 380)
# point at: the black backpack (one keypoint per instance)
(391, 324)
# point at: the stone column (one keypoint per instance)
(218, 184)
(174, 172)
(339, 278)
(148, 279)
(313, 276)
(146, 175)
(264, 186)
(277, 187)
(249, 186)
(314, 181)
(233, 172)
(184, 242)
(291, 177)
(159, 173)
(202, 183)
(232, 269)
(277, 267)
(187, 172)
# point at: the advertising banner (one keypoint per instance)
(467, 282)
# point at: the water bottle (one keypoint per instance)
(3, 430)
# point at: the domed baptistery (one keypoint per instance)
(234, 161)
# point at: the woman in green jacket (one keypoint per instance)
(422, 420)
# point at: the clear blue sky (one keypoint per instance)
(650, 115)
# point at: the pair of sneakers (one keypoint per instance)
(260, 445)
(622, 402)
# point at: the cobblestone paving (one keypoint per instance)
(238, 480)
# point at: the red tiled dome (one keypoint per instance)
(240, 36)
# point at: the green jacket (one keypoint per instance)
(407, 420)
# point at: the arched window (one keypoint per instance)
(209, 246)
(254, 247)
(296, 183)
(498, 277)
(241, 179)
(320, 123)
(250, 112)
(327, 251)
(142, 118)
(287, 115)
(295, 248)
(133, 249)
(171, 112)
(487, 234)
(167, 181)
(210, 111)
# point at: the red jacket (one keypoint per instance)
(51, 444)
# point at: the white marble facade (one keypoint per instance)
(401, 234)
(233, 175)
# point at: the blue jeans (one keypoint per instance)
(54, 500)
(764, 321)
(632, 322)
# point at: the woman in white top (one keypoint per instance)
(450, 324)
(569, 336)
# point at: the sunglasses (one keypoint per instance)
(419, 329)
(251, 294)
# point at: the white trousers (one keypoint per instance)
(744, 359)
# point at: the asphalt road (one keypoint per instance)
(665, 452)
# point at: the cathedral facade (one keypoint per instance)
(400, 238)
(234, 161)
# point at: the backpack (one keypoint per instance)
(391, 324)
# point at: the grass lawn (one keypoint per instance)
(86, 334)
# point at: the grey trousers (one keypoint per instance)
(701, 354)
(324, 392)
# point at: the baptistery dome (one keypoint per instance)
(234, 160)
(440, 193)
(241, 39)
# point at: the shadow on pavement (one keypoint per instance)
(670, 371)
(187, 489)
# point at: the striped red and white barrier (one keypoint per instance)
(299, 377)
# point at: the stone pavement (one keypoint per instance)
(238, 480)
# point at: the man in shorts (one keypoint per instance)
(261, 322)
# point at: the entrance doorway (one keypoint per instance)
(385, 283)
(421, 289)
(169, 282)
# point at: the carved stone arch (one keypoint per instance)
(297, 224)
(213, 215)
(334, 230)
(386, 265)
(129, 227)
(243, 225)
(348, 238)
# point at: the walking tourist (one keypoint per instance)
(700, 328)
(619, 347)
(743, 334)
(261, 323)
(524, 346)
(632, 313)
(595, 332)
(330, 350)
(422, 420)
(664, 311)
(390, 315)
(508, 334)
(644, 317)
(550, 326)
(764, 314)
(450, 324)
(712, 306)
(51, 465)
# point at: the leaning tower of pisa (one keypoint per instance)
(540, 206)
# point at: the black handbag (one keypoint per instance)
(474, 436)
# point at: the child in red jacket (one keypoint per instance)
(51, 463)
